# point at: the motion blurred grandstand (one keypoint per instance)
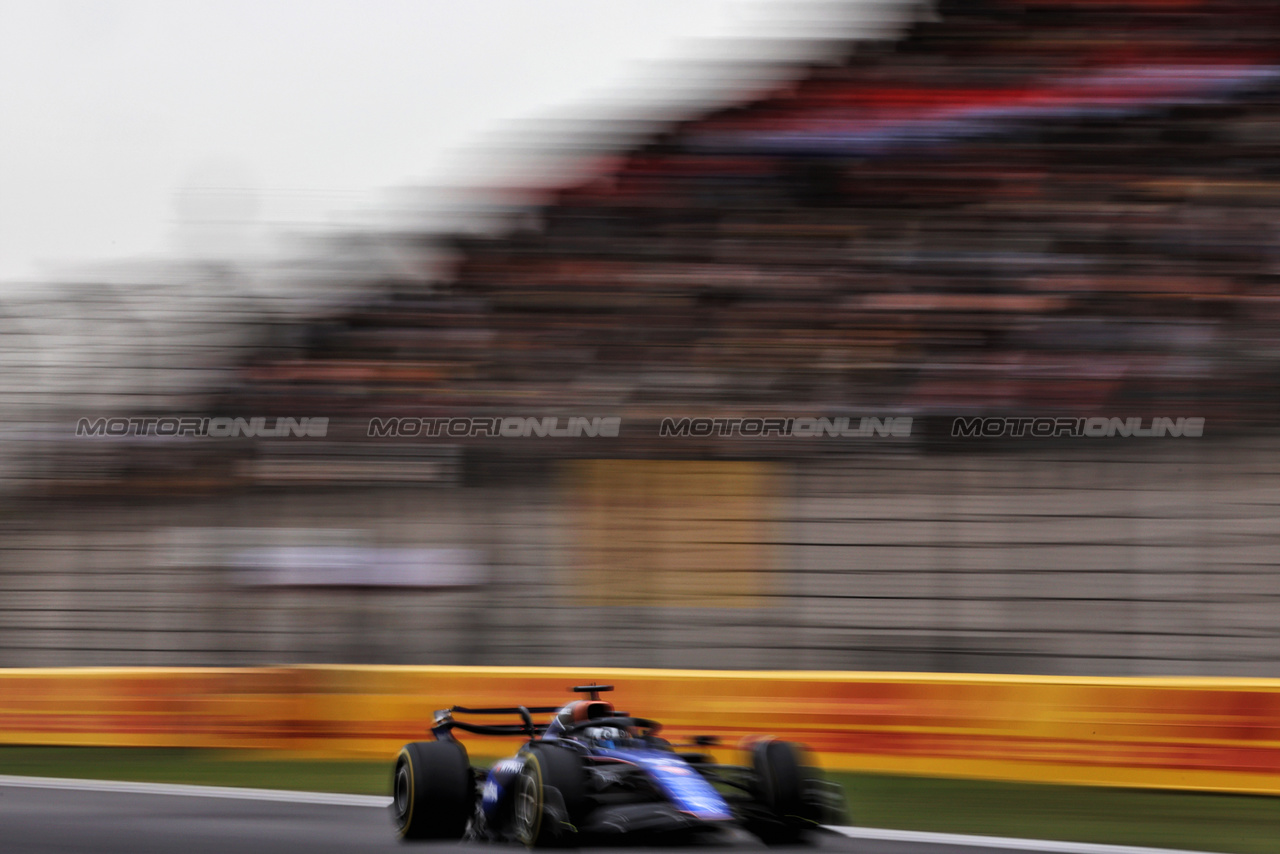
(1055, 208)
(1039, 207)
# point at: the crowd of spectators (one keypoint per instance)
(1018, 208)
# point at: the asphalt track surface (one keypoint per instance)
(49, 820)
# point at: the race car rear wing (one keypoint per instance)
(445, 722)
(514, 710)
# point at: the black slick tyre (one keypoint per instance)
(433, 790)
(549, 795)
(780, 788)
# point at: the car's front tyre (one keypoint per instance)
(549, 793)
(780, 775)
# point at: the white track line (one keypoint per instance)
(1045, 846)
(279, 795)
(1049, 846)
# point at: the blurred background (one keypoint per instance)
(1057, 208)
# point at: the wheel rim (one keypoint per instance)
(402, 794)
(526, 806)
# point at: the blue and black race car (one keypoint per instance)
(592, 772)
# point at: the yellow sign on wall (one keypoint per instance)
(1178, 733)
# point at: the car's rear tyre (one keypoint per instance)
(780, 775)
(549, 795)
(433, 790)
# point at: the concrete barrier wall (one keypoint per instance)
(1179, 733)
(1119, 560)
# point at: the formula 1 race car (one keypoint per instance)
(592, 772)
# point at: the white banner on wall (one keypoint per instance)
(357, 566)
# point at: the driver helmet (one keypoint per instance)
(606, 736)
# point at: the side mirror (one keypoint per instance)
(706, 740)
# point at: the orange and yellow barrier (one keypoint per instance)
(1187, 733)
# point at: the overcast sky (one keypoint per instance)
(122, 123)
